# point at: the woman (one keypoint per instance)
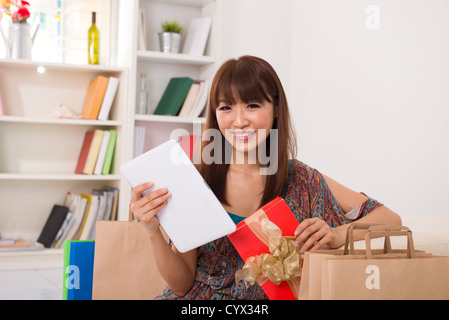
(249, 108)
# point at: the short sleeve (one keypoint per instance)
(309, 196)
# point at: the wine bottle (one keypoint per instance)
(142, 96)
(94, 41)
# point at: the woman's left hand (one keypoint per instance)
(315, 233)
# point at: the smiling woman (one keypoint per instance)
(247, 96)
(247, 102)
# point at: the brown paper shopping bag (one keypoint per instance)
(123, 265)
(310, 286)
(387, 273)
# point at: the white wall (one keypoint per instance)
(373, 103)
(256, 27)
(368, 88)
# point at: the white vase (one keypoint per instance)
(20, 41)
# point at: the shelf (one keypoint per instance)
(54, 121)
(171, 119)
(18, 63)
(31, 259)
(58, 177)
(190, 3)
(178, 58)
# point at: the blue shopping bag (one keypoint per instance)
(78, 269)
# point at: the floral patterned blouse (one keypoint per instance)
(308, 196)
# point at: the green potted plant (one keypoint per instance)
(170, 37)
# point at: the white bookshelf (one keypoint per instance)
(161, 67)
(39, 153)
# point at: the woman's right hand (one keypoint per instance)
(145, 207)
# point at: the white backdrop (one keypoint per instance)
(368, 86)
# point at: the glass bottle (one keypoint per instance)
(142, 96)
(94, 41)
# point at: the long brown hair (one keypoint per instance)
(249, 79)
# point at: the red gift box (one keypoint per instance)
(249, 242)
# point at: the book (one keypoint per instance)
(174, 95)
(94, 97)
(201, 101)
(102, 153)
(108, 99)
(108, 202)
(115, 191)
(73, 229)
(91, 216)
(139, 140)
(52, 225)
(71, 201)
(88, 136)
(94, 150)
(196, 36)
(109, 157)
(142, 36)
(190, 100)
(78, 264)
(100, 211)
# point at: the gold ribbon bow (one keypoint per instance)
(283, 264)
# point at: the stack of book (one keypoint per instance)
(100, 95)
(76, 219)
(183, 97)
(97, 152)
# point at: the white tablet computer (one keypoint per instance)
(193, 216)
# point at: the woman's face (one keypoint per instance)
(245, 125)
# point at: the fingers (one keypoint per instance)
(152, 203)
(145, 207)
(137, 191)
(314, 233)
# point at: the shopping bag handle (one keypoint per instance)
(387, 231)
(377, 231)
(349, 242)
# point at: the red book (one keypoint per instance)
(248, 244)
(84, 151)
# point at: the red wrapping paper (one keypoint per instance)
(248, 244)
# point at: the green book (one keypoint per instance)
(174, 96)
(109, 153)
